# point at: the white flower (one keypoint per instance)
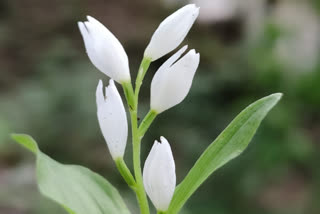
(104, 50)
(171, 32)
(112, 119)
(172, 82)
(159, 175)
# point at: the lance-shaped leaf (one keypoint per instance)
(77, 189)
(228, 145)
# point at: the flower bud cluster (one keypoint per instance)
(170, 85)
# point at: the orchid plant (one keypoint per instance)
(81, 191)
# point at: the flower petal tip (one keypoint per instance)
(193, 51)
(99, 86)
(163, 139)
(111, 82)
(184, 48)
(89, 18)
(100, 98)
(100, 83)
(156, 142)
(194, 7)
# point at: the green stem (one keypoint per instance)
(146, 122)
(132, 99)
(125, 172)
(141, 73)
(129, 93)
(136, 139)
(136, 144)
(141, 195)
(160, 212)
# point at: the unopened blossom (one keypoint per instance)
(173, 80)
(104, 50)
(171, 32)
(112, 119)
(159, 175)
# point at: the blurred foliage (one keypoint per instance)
(48, 85)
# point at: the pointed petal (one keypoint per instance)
(159, 175)
(173, 58)
(171, 32)
(170, 86)
(104, 50)
(112, 119)
(99, 94)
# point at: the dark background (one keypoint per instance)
(249, 49)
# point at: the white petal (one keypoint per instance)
(104, 50)
(159, 176)
(161, 75)
(112, 119)
(99, 94)
(173, 58)
(171, 32)
(170, 85)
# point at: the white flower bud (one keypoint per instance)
(112, 119)
(104, 50)
(159, 175)
(172, 82)
(171, 32)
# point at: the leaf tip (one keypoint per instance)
(278, 95)
(26, 141)
(272, 98)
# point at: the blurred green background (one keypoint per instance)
(249, 49)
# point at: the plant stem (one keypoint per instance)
(136, 144)
(146, 122)
(141, 73)
(132, 99)
(125, 172)
(160, 212)
(141, 195)
(128, 92)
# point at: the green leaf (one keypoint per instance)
(228, 145)
(77, 189)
